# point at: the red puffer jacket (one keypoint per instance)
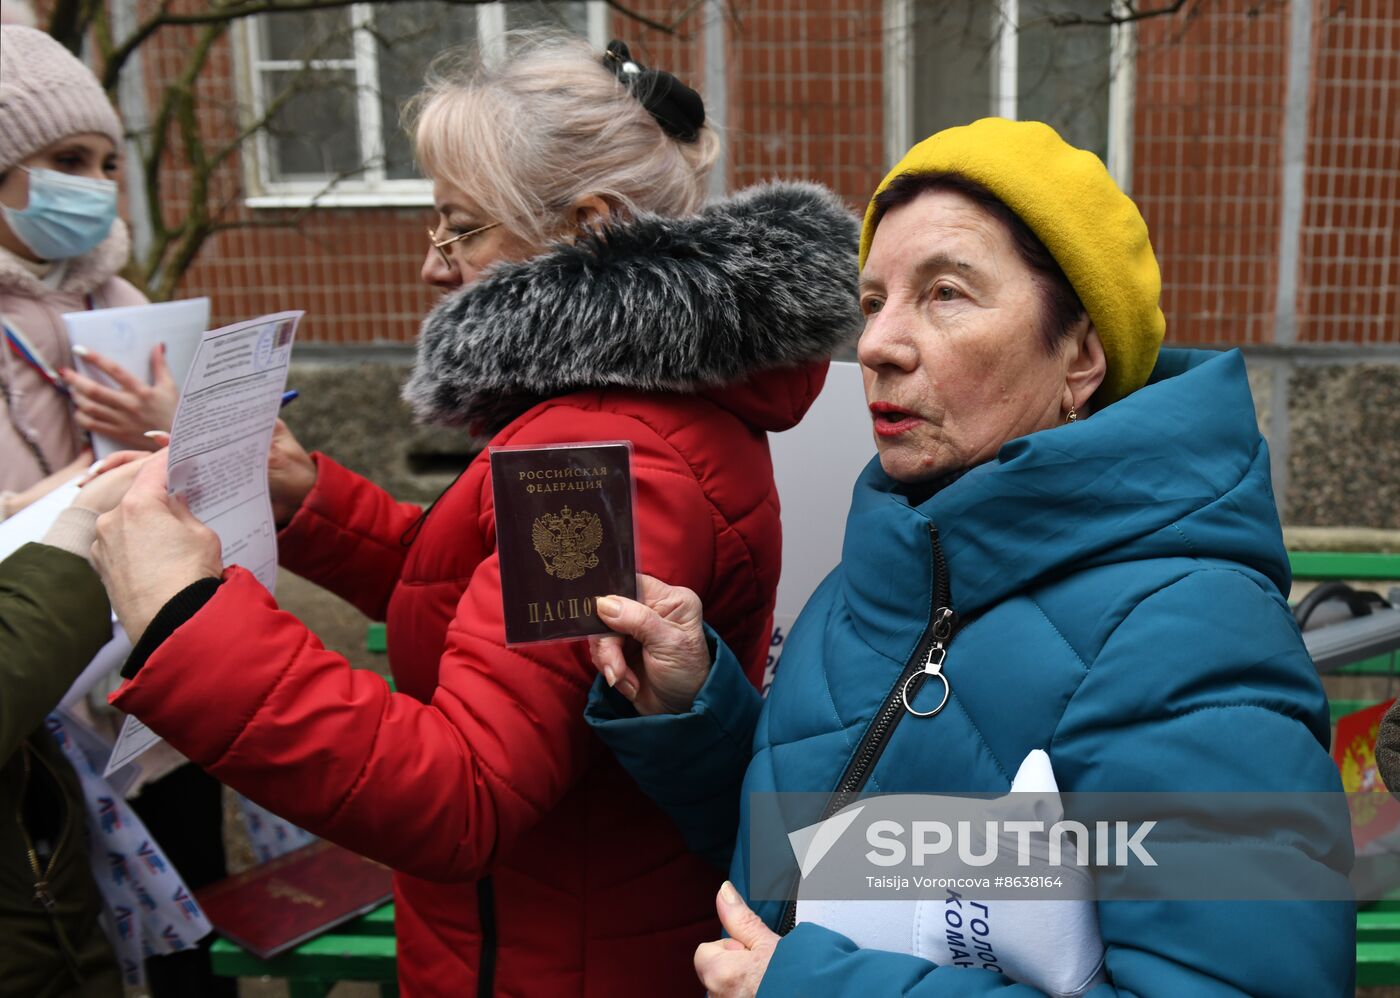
(527, 862)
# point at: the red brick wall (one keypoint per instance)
(806, 100)
(1207, 159)
(355, 271)
(1349, 277)
(806, 94)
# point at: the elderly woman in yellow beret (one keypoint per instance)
(1066, 558)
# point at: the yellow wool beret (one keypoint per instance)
(1091, 228)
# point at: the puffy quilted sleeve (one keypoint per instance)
(1204, 686)
(692, 765)
(430, 789)
(54, 617)
(347, 537)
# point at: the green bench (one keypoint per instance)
(1378, 925)
(363, 949)
(1378, 944)
(360, 950)
(1328, 566)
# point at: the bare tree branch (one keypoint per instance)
(642, 19)
(272, 107)
(228, 12)
(179, 231)
(173, 249)
(1111, 17)
(69, 21)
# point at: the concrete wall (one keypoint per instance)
(1332, 419)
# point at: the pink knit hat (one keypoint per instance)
(46, 94)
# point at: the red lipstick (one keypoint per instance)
(891, 420)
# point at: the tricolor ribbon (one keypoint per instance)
(20, 346)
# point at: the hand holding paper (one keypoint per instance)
(115, 348)
(291, 474)
(101, 492)
(150, 547)
(124, 412)
(155, 543)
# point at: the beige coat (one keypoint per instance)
(45, 417)
(34, 410)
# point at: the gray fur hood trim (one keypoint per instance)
(763, 279)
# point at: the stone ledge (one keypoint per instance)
(1354, 539)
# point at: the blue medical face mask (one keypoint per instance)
(67, 215)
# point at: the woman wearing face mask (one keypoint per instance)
(61, 247)
(590, 297)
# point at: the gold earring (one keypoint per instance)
(1072, 415)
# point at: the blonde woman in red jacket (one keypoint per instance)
(590, 295)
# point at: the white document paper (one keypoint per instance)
(133, 740)
(218, 455)
(108, 660)
(33, 522)
(222, 432)
(128, 335)
(1052, 945)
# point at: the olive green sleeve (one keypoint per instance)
(54, 617)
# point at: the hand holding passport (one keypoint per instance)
(565, 535)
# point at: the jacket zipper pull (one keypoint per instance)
(42, 897)
(933, 664)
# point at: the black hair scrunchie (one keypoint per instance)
(677, 109)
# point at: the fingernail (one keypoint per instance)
(627, 688)
(610, 675)
(727, 891)
(608, 606)
(79, 350)
(152, 434)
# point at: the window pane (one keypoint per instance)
(316, 34)
(410, 35)
(953, 62)
(1063, 73)
(573, 16)
(314, 135)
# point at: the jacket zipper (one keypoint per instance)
(486, 919)
(927, 660)
(43, 897)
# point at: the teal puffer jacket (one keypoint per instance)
(1119, 590)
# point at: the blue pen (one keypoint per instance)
(289, 396)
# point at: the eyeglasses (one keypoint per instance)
(441, 247)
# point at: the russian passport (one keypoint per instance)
(565, 535)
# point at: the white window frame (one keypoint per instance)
(370, 188)
(899, 82)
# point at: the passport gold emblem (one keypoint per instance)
(566, 540)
